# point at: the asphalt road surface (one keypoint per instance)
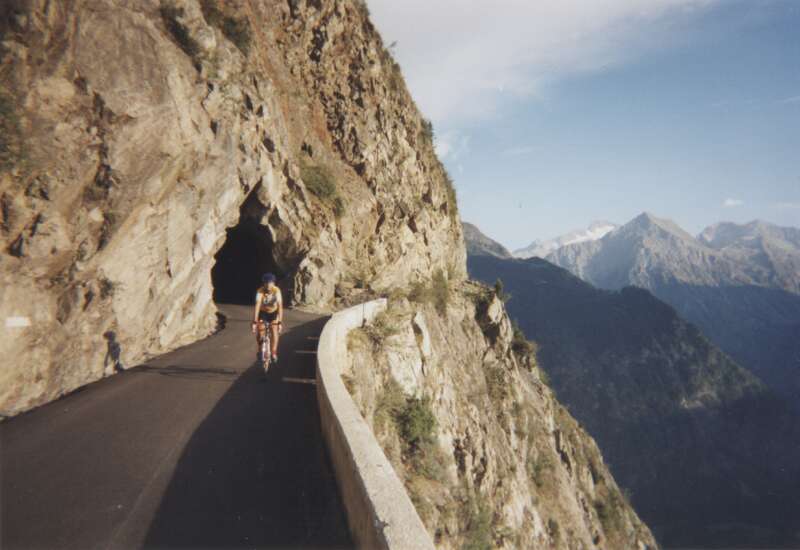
(195, 449)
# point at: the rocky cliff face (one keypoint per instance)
(488, 455)
(136, 134)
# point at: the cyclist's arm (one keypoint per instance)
(258, 305)
(280, 306)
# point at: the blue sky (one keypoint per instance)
(552, 114)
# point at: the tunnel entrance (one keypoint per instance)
(246, 255)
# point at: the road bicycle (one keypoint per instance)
(264, 354)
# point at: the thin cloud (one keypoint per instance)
(464, 59)
(788, 205)
(731, 203)
(451, 145)
(793, 99)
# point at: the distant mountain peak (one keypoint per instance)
(647, 221)
(478, 244)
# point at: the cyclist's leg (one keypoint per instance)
(273, 338)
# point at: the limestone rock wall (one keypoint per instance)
(506, 465)
(134, 131)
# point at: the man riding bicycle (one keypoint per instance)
(268, 314)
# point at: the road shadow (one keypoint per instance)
(256, 473)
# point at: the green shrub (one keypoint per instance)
(452, 197)
(437, 292)
(321, 184)
(11, 149)
(544, 377)
(609, 511)
(496, 384)
(500, 292)
(519, 343)
(107, 288)
(416, 422)
(426, 131)
(554, 530)
(539, 468)
(479, 529)
(381, 328)
(237, 30)
(389, 405)
(440, 287)
(170, 15)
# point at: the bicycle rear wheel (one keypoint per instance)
(265, 353)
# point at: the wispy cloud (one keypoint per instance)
(788, 205)
(451, 145)
(463, 59)
(730, 203)
(793, 99)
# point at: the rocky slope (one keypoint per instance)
(489, 457)
(711, 455)
(541, 248)
(479, 244)
(737, 283)
(136, 134)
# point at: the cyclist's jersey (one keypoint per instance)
(269, 300)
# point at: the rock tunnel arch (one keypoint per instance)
(248, 252)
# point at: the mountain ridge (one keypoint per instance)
(739, 283)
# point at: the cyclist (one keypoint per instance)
(268, 313)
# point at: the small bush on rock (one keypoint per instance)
(436, 293)
(479, 529)
(171, 15)
(237, 30)
(321, 184)
(416, 422)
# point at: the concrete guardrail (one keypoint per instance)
(379, 512)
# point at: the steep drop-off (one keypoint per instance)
(489, 457)
(139, 135)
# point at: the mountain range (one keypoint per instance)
(740, 284)
(709, 452)
(541, 248)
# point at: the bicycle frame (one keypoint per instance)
(263, 335)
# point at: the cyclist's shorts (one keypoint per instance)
(267, 317)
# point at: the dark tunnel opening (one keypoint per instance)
(246, 255)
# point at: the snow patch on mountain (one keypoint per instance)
(541, 248)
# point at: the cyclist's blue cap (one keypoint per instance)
(268, 278)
